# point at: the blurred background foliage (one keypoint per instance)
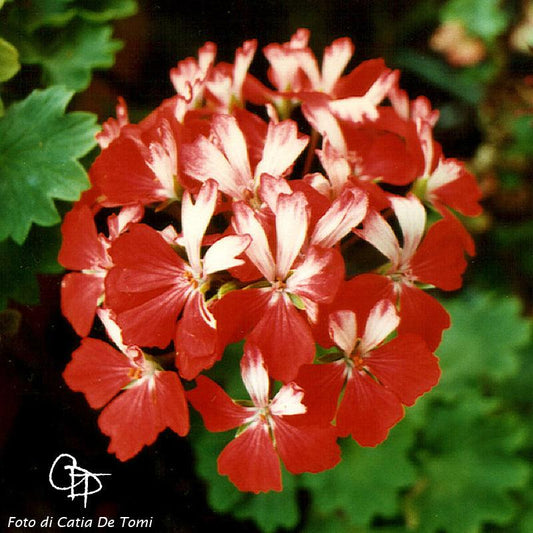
(461, 459)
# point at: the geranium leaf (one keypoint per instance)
(98, 11)
(40, 146)
(367, 481)
(69, 56)
(487, 329)
(19, 265)
(470, 466)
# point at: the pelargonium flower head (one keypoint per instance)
(140, 398)
(151, 284)
(365, 387)
(270, 430)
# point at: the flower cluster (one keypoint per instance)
(316, 210)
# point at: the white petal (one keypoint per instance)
(382, 321)
(222, 255)
(336, 57)
(344, 214)
(246, 223)
(379, 234)
(270, 188)
(282, 147)
(343, 330)
(288, 401)
(292, 219)
(255, 375)
(411, 215)
(194, 220)
(233, 145)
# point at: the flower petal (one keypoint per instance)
(382, 321)
(250, 461)
(343, 330)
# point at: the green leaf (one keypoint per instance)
(39, 150)
(483, 18)
(69, 56)
(367, 481)
(222, 495)
(20, 264)
(98, 11)
(9, 60)
(468, 89)
(271, 510)
(487, 329)
(34, 14)
(471, 469)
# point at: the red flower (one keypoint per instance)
(271, 314)
(269, 430)
(151, 284)
(436, 259)
(141, 398)
(376, 376)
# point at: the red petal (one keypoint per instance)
(440, 259)
(284, 338)
(406, 366)
(421, 314)
(250, 461)
(238, 312)
(218, 410)
(306, 448)
(147, 288)
(122, 174)
(195, 341)
(81, 248)
(367, 411)
(136, 417)
(97, 370)
(322, 385)
(79, 300)
(171, 403)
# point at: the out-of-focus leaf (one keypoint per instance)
(440, 74)
(34, 14)
(39, 149)
(367, 482)
(221, 493)
(19, 265)
(98, 11)
(522, 130)
(487, 329)
(471, 470)
(484, 18)
(69, 56)
(271, 510)
(9, 60)
(516, 239)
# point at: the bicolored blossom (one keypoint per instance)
(364, 388)
(86, 251)
(436, 258)
(111, 127)
(139, 398)
(150, 284)
(270, 430)
(274, 314)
